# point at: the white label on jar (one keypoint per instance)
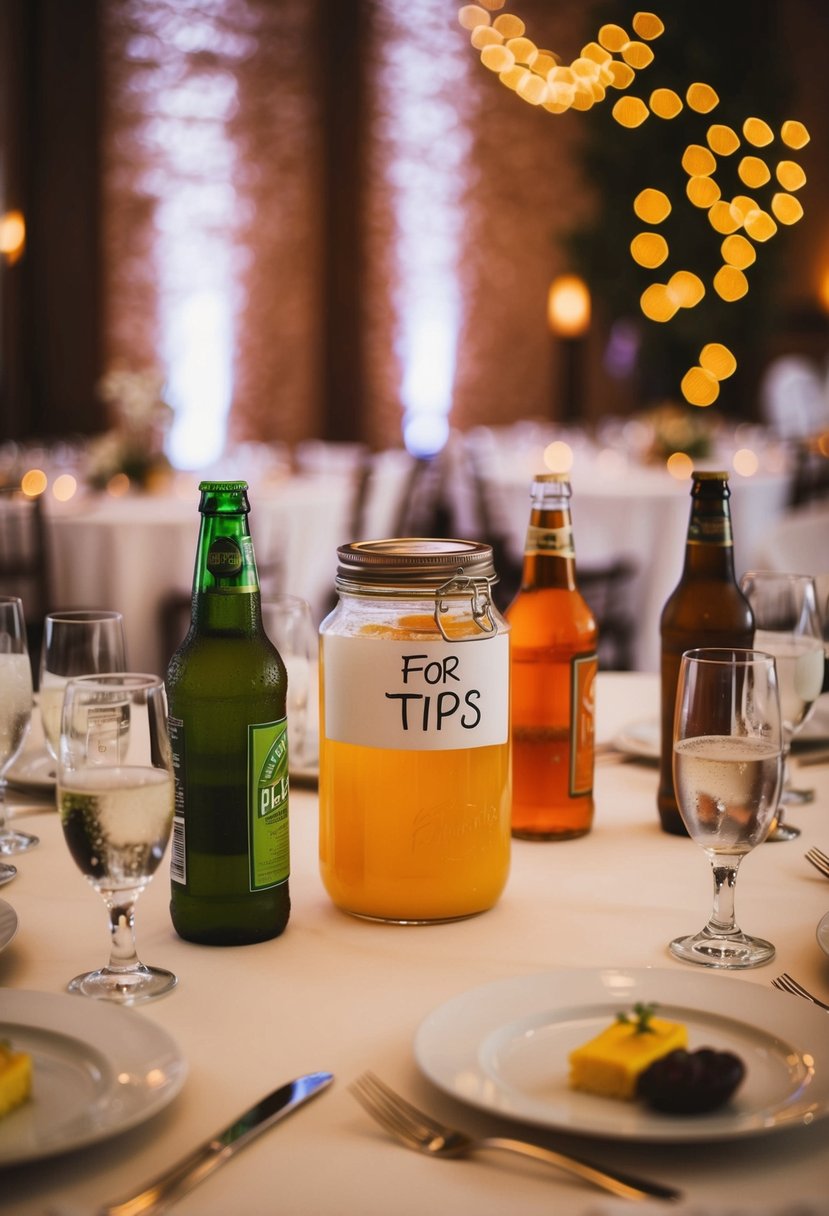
(416, 696)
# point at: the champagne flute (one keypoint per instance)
(115, 798)
(787, 625)
(288, 623)
(727, 764)
(15, 709)
(77, 643)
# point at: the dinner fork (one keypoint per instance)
(424, 1134)
(786, 984)
(819, 860)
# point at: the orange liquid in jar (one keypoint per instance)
(413, 835)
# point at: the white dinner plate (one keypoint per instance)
(8, 924)
(504, 1048)
(97, 1070)
(641, 739)
(32, 772)
(822, 934)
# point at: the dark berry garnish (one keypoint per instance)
(691, 1082)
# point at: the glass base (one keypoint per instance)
(730, 951)
(796, 797)
(16, 842)
(124, 987)
(783, 831)
(7, 872)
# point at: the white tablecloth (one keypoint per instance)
(642, 513)
(131, 553)
(341, 994)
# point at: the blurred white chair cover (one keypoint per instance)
(793, 397)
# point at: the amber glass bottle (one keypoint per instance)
(553, 669)
(706, 608)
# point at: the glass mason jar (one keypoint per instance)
(415, 783)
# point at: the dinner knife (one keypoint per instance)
(199, 1164)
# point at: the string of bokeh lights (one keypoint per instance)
(612, 62)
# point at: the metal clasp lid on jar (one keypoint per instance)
(423, 566)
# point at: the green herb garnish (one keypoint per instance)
(642, 1021)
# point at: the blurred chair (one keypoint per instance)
(793, 397)
(810, 479)
(607, 589)
(24, 565)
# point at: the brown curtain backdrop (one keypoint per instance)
(332, 170)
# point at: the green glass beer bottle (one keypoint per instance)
(226, 688)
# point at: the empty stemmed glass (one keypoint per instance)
(787, 625)
(727, 763)
(289, 624)
(15, 709)
(80, 642)
(115, 798)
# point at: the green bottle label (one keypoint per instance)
(268, 836)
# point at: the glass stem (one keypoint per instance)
(2, 805)
(122, 955)
(722, 922)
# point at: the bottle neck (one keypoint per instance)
(709, 549)
(225, 580)
(549, 553)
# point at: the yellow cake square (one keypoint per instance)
(610, 1063)
(15, 1078)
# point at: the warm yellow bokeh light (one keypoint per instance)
(637, 54)
(630, 111)
(652, 206)
(509, 26)
(787, 208)
(722, 140)
(823, 289)
(794, 134)
(699, 387)
(698, 160)
(724, 217)
(622, 74)
(685, 288)
(730, 283)
(649, 249)
(558, 456)
(497, 58)
(648, 25)
(757, 132)
(737, 251)
(665, 103)
(702, 98)
(568, 306)
(613, 37)
(64, 487)
(470, 16)
(790, 174)
(12, 235)
(745, 462)
(718, 360)
(759, 225)
(680, 466)
(753, 172)
(702, 191)
(657, 304)
(33, 482)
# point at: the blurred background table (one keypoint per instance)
(136, 554)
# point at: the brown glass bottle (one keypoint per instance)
(553, 673)
(706, 608)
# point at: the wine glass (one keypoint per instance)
(727, 762)
(15, 709)
(77, 643)
(288, 623)
(115, 798)
(787, 625)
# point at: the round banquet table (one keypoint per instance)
(340, 994)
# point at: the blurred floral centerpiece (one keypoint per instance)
(677, 428)
(132, 450)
